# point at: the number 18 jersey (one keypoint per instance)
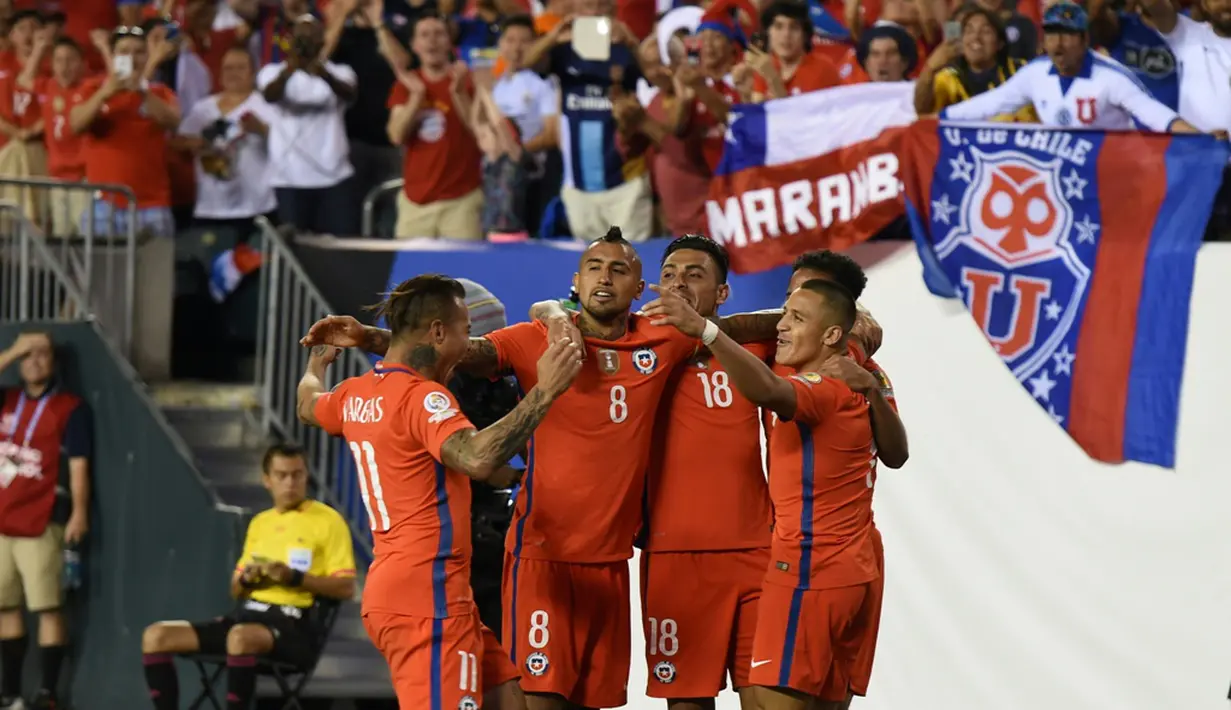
(581, 495)
(395, 423)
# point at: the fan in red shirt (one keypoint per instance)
(707, 532)
(441, 196)
(723, 37)
(20, 118)
(413, 450)
(124, 121)
(816, 594)
(789, 67)
(57, 95)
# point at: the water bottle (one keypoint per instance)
(72, 567)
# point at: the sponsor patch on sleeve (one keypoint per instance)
(808, 378)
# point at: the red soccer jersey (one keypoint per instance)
(814, 73)
(706, 489)
(442, 160)
(821, 486)
(395, 423)
(702, 119)
(65, 160)
(18, 106)
(126, 147)
(581, 495)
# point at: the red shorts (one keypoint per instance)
(869, 623)
(806, 639)
(439, 664)
(566, 625)
(699, 610)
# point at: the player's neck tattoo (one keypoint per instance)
(590, 327)
(423, 359)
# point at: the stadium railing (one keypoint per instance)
(102, 266)
(370, 202)
(34, 283)
(290, 304)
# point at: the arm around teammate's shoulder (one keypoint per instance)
(483, 454)
(753, 378)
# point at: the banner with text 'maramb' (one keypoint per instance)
(814, 171)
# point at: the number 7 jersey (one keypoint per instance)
(395, 422)
(581, 496)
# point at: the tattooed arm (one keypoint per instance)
(480, 360)
(312, 385)
(483, 454)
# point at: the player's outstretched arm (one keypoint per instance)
(748, 373)
(312, 384)
(480, 359)
(482, 454)
(760, 326)
(887, 429)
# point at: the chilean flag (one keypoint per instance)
(813, 171)
(1075, 252)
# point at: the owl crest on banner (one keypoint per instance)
(1020, 222)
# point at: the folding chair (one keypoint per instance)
(291, 678)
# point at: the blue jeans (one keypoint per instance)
(320, 210)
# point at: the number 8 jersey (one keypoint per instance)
(395, 422)
(581, 495)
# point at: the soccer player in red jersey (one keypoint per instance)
(891, 444)
(412, 446)
(707, 532)
(579, 508)
(816, 590)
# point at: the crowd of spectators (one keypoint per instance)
(217, 111)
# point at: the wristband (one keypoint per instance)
(710, 333)
(296, 579)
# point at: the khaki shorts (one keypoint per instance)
(459, 218)
(629, 207)
(66, 206)
(32, 565)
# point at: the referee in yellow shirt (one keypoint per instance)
(294, 552)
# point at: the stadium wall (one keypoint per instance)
(158, 547)
(1019, 573)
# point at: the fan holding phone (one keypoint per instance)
(591, 54)
(126, 118)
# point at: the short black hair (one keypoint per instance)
(283, 449)
(839, 267)
(21, 15)
(416, 302)
(790, 9)
(699, 242)
(66, 42)
(521, 20)
(838, 298)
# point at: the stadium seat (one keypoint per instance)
(290, 678)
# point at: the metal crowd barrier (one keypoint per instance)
(290, 303)
(34, 284)
(99, 261)
(369, 205)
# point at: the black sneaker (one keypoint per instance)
(43, 701)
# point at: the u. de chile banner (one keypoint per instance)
(1075, 252)
(814, 171)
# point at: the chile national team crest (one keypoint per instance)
(645, 361)
(1016, 230)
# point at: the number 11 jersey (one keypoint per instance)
(581, 497)
(395, 422)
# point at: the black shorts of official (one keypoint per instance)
(294, 641)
